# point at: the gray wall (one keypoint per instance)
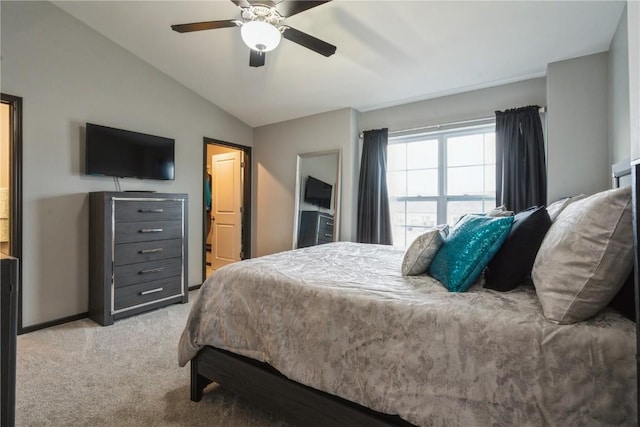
(67, 75)
(276, 148)
(577, 125)
(619, 94)
(465, 106)
(633, 28)
(277, 145)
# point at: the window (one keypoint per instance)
(437, 177)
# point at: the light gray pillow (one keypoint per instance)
(421, 252)
(555, 208)
(585, 256)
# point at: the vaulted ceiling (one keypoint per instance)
(389, 52)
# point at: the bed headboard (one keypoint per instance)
(624, 301)
(621, 174)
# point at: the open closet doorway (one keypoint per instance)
(227, 196)
(11, 184)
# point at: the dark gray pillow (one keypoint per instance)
(512, 264)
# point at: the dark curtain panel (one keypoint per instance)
(521, 174)
(374, 222)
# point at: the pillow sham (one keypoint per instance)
(556, 207)
(421, 252)
(585, 257)
(467, 250)
(512, 264)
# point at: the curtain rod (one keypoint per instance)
(462, 122)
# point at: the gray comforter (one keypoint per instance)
(340, 318)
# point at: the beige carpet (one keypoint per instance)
(83, 374)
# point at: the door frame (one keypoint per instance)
(245, 240)
(15, 230)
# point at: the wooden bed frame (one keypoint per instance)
(265, 387)
(635, 184)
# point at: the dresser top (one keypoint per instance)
(138, 195)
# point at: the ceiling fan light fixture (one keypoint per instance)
(260, 36)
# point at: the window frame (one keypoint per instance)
(442, 199)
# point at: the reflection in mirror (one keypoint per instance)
(317, 201)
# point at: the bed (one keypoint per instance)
(335, 335)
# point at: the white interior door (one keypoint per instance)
(226, 207)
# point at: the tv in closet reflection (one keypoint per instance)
(126, 154)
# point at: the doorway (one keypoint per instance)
(227, 198)
(11, 184)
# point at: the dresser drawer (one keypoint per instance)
(132, 274)
(325, 222)
(325, 233)
(146, 292)
(136, 210)
(129, 232)
(131, 253)
(325, 228)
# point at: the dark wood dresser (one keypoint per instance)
(137, 253)
(8, 331)
(316, 228)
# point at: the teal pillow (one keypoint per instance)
(471, 244)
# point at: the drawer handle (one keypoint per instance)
(152, 270)
(150, 210)
(151, 230)
(151, 291)
(328, 235)
(329, 224)
(150, 251)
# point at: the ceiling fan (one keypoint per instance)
(261, 27)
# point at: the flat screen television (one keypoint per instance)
(318, 192)
(127, 154)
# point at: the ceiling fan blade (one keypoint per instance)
(256, 59)
(208, 25)
(291, 7)
(241, 3)
(310, 42)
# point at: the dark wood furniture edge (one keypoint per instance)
(198, 382)
(265, 387)
(635, 186)
(9, 274)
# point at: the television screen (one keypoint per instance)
(122, 153)
(318, 192)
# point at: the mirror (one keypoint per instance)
(317, 201)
